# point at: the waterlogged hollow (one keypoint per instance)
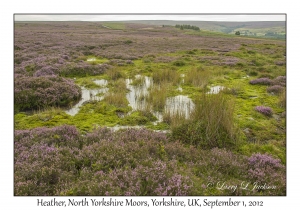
(136, 95)
(87, 95)
(180, 104)
(215, 89)
(91, 59)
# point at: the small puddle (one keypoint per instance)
(159, 117)
(181, 105)
(182, 76)
(179, 89)
(245, 77)
(215, 89)
(91, 59)
(87, 95)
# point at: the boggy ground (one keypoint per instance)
(235, 136)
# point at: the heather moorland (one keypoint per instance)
(120, 108)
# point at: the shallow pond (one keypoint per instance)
(136, 97)
(87, 95)
(174, 105)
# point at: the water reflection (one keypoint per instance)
(91, 59)
(137, 94)
(89, 94)
(180, 104)
(101, 82)
(215, 89)
(136, 97)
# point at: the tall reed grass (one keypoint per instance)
(166, 75)
(198, 77)
(114, 73)
(174, 118)
(157, 96)
(282, 99)
(138, 81)
(117, 94)
(211, 123)
(117, 99)
(119, 86)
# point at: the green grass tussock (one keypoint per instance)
(211, 124)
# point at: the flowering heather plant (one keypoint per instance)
(280, 63)
(165, 59)
(44, 91)
(264, 169)
(275, 89)
(155, 178)
(132, 162)
(56, 41)
(226, 164)
(50, 161)
(66, 57)
(81, 69)
(140, 134)
(35, 173)
(264, 161)
(45, 71)
(230, 61)
(261, 81)
(41, 169)
(120, 62)
(97, 134)
(265, 110)
(58, 136)
(44, 159)
(280, 80)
